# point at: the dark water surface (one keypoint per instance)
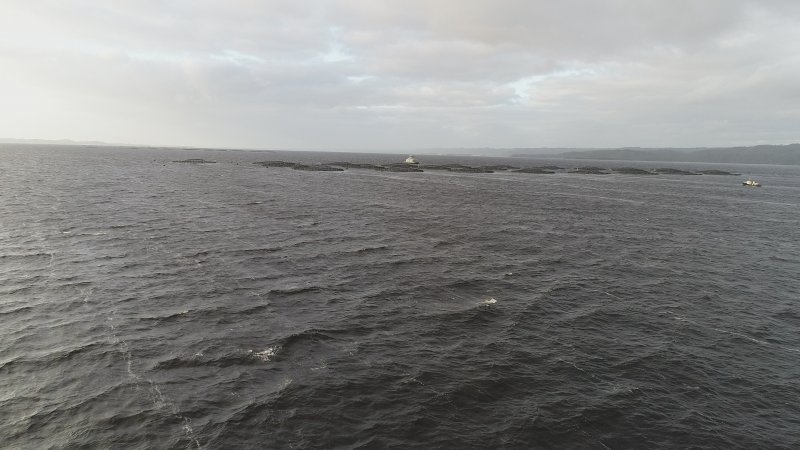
(148, 304)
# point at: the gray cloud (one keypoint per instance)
(412, 73)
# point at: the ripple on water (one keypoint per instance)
(150, 305)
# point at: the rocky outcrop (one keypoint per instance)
(403, 168)
(339, 166)
(275, 164)
(634, 171)
(716, 172)
(470, 170)
(435, 167)
(589, 170)
(349, 165)
(672, 171)
(317, 168)
(500, 167)
(196, 161)
(536, 170)
(462, 168)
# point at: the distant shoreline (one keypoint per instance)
(761, 154)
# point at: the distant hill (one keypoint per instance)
(50, 142)
(759, 154)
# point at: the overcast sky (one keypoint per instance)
(373, 74)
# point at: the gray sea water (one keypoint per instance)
(151, 304)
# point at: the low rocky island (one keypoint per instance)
(400, 167)
(317, 168)
(501, 167)
(716, 172)
(470, 170)
(411, 165)
(349, 165)
(590, 170)
(458, 168)
(275, 164)
(634, 171)
(196, 161)
(671, 171)
(536, 170)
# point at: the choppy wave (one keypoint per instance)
(154, 305)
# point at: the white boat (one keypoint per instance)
(412, 161)
(751, 183)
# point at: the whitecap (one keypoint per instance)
(266, 354)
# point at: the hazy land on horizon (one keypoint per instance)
(760, 154)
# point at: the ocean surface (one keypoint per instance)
(151, 304)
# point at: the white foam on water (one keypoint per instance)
(285, 383)
(87, 293)
(264, 355)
